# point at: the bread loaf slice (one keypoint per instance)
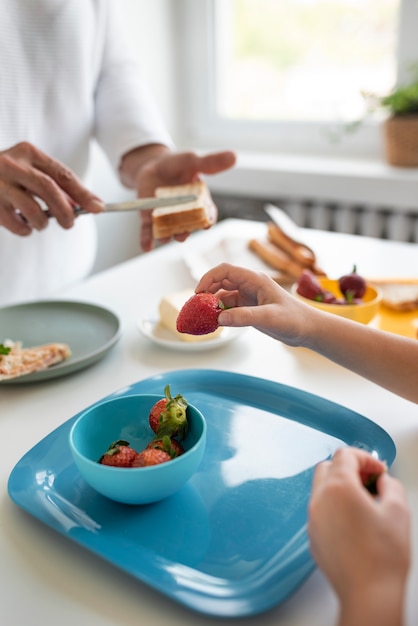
(398, 294)
(183, 218)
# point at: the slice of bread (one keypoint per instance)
(183, 218)
(398, 294)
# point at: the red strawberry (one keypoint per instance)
(169, 445)
(119, 454)
(199, 315)
(154, 416)
(309, 287)
(352, 286)
(168, 416)
(151, 456)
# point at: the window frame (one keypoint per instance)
(201, 126)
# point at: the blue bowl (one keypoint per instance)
(126, 417)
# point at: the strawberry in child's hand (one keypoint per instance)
(167, 444)
(119, 454)
(199, 315)
(151, 456)
(168, 416)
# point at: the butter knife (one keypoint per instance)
(139, 204)
(283, 221)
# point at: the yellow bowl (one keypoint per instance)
(363, 312)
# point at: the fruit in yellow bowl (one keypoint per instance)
(325, 294)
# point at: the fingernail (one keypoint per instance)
(224, 318)
(96, 205)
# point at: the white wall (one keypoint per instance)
(148, 24)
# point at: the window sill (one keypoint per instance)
(353, 181)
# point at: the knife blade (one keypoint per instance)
(287, 235)
(283, 221)
(139, 204)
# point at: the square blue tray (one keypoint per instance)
(232, 542)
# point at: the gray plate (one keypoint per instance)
(89, 330)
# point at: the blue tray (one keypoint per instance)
(240, 544)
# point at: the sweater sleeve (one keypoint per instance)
(125, 114)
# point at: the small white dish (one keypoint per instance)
(159, 334)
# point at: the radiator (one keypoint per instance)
(372, 221)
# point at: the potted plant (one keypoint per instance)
(401, 126)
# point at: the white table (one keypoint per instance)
(45, 578)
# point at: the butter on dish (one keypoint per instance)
(169, 309)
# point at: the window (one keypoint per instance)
(288, 75)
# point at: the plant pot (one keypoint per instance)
(401, 140)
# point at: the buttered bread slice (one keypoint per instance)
(183, 218)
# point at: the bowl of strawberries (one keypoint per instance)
(349, 296)
(138, 449)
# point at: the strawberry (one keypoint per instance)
(352, 286)
(168, 416)
(309, 287)
(167, 444)
(199, 315)
(151, 456)
(154, 416)
(119, 454)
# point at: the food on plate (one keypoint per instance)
(183, 218)
(276, 258)
(398, 294)
(199, 314)
(280, 252)
(169, 309)
(168, 416)
(299, 251)
(352, 285)
(16, 361)
(169, 425)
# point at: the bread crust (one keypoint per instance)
(183, 218)
(275, 257)
(398, 294)
(297, 250)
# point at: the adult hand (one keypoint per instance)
(171, 168)
(27, 175)
(361, 542)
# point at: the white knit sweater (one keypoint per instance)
(66, 76)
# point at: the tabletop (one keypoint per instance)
(48, 579)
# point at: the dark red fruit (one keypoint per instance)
(199, 315)
(329, 297)
(309, 287)
(352, 286)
